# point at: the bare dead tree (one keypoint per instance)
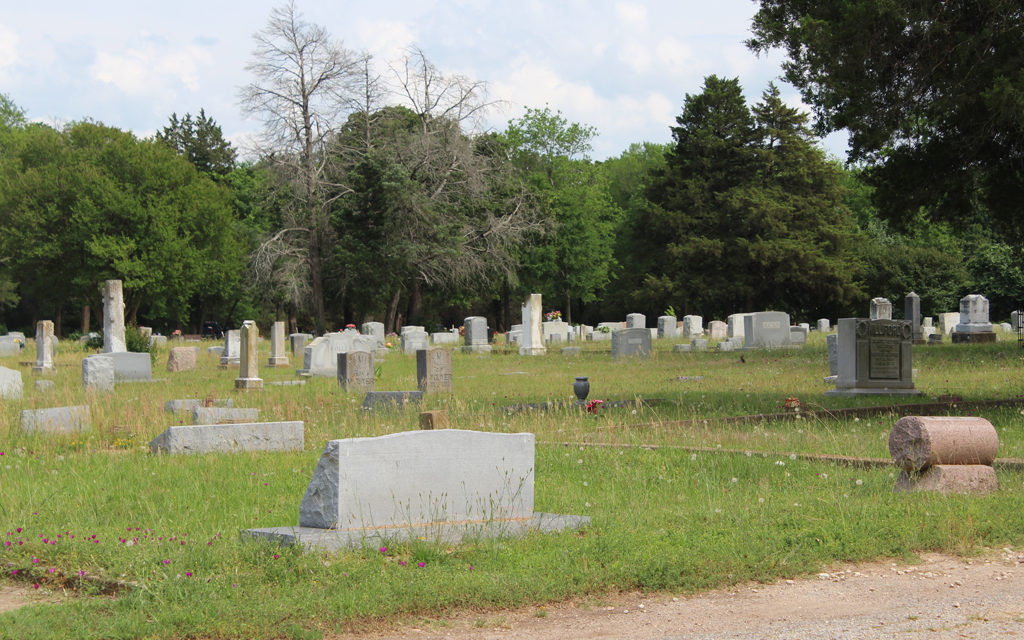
(304, 83)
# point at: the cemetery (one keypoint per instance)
(763, 450)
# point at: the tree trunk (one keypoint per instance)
(415, 301)
(85, 320)
(391, 316)
(58, 320)
(568, 307)
(318, 287)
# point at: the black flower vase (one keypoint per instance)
(581, 388)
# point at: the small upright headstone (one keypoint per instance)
(532, 338)
(230, 356)
(475, 328)
(44, 347)
(824, 325)
(182, 358)
(737, 324)
(98, 372)
(113, 317)
(881, 309)
(699, 344)
(948, 322)
(436, 419)
(375, 329)
(414, 340)
(974, 324)
(693, 326)
(832, 341)
(798, 335)
(636, 320)
(10, 384)
(298, 342)
(248, 365)
(718, 330)
(434, 370)
(356, 371)
(668, 327)
(1016, 320)
(912, 313)
(631, 343)
(278, 357)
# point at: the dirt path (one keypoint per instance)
(943, 597)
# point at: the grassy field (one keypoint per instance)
(148, 546)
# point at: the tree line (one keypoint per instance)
(375, 195)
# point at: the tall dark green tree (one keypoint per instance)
(200, 140)
(747, 214)
(932, 93)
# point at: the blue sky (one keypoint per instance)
(623, 67)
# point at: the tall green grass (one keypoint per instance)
(156, 552)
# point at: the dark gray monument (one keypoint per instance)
(912, 313)
(635, 342)
(874, 358)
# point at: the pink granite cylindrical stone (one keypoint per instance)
(918, 442)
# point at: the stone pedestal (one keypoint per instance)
(44, 348)
(278, 357)
(248, 369)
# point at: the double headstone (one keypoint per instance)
(631, 343)
(874, 358)
(766, 330)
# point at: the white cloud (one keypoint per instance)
(636, 56)
(384, 39)
(144, 71)
(8, 49)
(674, 54)
(631, 13)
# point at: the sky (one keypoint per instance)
(623, 67)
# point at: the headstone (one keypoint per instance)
(440, 485)
(824, 325)
(278, 357)
(693, 326)
(216, 351)
(1005, 327)
(874, 358)
(231, 356)
(414, 340)
(798, 335)
(629, 343)
(974, 325)
(444, 338)
(248, 364)
(320, 357)
(832, 342)
(718, 330)
(434, 370)
(375, 329)
(725, 346)
(182, 358)
(45, 386)
(44, 348)
(146, 332)
(384, 399)
(881, 309)
(766, 330)
(229, 438)
(636, 321)
(130, 366)
(556, 331)
(56, 420)
(475, 328)
(699, 344)
(98, 372)
(912, 314)
(532, 341)
(682, 348)
(356, 371)
(571, 351)
(415, 477)
(10, 346)
(737, 324)
(805, 326)
(157, 341)
(948, 322)
(437, 419)
(605, 330)
(189, 404)
(668, 327)
(927, 322)
(10, 384)
(298, 342)
(113, 317)
(1016, 320)
(224, 415)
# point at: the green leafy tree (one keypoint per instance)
(201, 141)
(931, 92)
(748, 213)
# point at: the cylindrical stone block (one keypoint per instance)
(918, 442)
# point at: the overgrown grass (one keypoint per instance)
(97, 513)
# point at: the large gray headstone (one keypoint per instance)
(298, 342)
(415, 477)
(628, 343)
(10, 384)
(228, 438)
(98, 372)
(356, 371)
(376, 331)
(434, 370)
(668, 327)
(766, 330)
(56, 420)
(414, 340)
(874, 358)
(736, 324)
(824, 325)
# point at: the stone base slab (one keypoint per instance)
(248, 384)
(476, 348)
(280, 361)
(842, 393)
(447, 532)
(973, 338)
(950, 478)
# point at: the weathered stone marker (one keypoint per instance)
(974, 325)
(630, 343)
(356, 371)
(98, 372)
(228, 438)
(278, 357)
(56, 420)
(476, 335)
(945, 454)
(436, 419)
(229, 357)
(434, 370)
(248, 369)
(44, 348)
(10, 384)
(113, 317)
(182, 359)
(531, 341)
